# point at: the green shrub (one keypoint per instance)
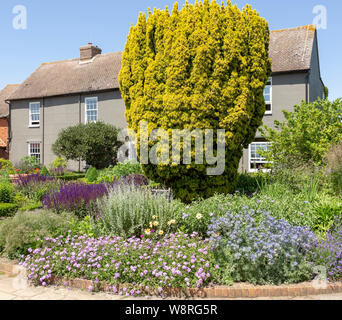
(284, 205)
(91, 174)
(71, 177)
(28, 163)
(8, 209)
(251, 183)
(31, 206)
(306, 135)
(326, 211)
(59, 163)
(45, 172)
(82, 227)
(334, 159)
(6, 192)
(4, 176)
(127, 168)
(22, 232)
(120, 170)
(336, 180)
(128, 211)
(6, 165)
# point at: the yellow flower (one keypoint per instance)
(147, 232)
(199, 216)
(151, 224)
(173, 221)
(155, 217)
(161, 232)
(156, 223)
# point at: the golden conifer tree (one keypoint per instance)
(202, 67)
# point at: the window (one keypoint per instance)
(268, 96)
(91, 110)
(34, 114)
(34, 150)
(256, 161)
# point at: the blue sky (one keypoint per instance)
(57, 28)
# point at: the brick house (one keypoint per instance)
(63, 93)
(4, 119)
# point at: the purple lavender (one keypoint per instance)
(25, 180)
(76, 197)
(328, 253)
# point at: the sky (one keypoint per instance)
(57, 28)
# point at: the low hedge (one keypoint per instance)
(8, 209)
(31, 207)
(71, 177)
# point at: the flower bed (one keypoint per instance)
(175, 261)
(260, 249)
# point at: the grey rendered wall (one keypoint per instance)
(287, 91)
(316, 85)
(59, 113)
(21, 133)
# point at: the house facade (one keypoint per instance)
(4, 119)
(64, 93)
(296, 77)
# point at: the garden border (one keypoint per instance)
(10, 268)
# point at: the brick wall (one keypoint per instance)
(3, 138)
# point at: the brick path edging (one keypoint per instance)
(10, 268)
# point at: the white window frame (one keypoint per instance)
(250, 158)
(85, 108)
(35, 153)
(269, 112)
(31, 124)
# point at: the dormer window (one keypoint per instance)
(34, 114)
(268, 96)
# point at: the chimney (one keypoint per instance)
(88, 52)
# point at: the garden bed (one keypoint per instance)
(238, 290)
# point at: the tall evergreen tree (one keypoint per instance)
(202, 67)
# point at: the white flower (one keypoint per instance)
(171, 222)
(199, 216)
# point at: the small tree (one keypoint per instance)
(306, 134)
(95, 143)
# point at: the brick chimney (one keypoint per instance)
(88, 52)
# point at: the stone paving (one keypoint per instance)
(15, 288)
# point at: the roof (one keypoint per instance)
(72, 76)
(4, 95)
(290, 50)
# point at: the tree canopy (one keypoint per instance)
(306, 135)
(95, 143)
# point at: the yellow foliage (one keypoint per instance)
(202, 67)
